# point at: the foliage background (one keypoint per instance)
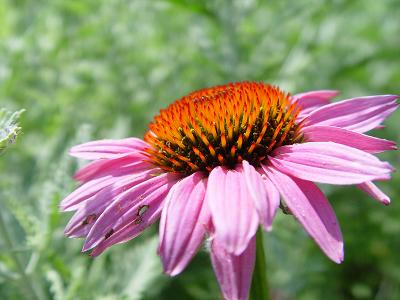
(102, 68)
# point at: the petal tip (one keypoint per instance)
(172, 272)
(339, 257)
(332, 93)
(67, 231)
(268, 228)
(65, 207)
(87, 246)
(389, 168)
(169, 267)
(74, 151)
(339, 260)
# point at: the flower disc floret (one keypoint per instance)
(222, 126)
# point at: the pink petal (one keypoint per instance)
(126, 208)
(132, 228)
(310, 101)
(372, 190)
(263, 193)
(233, 213)
(90, 209)
(329, 162)
(234, 272)
(92, 187)
(128, 163)
(183, 223)
(310, 207)
(312, 98)
(346, 137)
(86, 191)
(108, 148)
(358, 114)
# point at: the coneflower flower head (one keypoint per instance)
(222, 126)
(218, 163)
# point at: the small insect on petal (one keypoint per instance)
(89, 219)
(142, 210)
(109, 233)
(285, 209)
(137, 220)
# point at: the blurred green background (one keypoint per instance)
(93, 69)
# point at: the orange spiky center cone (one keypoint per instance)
(221, 126)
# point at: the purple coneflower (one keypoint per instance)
(218, 162)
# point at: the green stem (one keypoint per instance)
(259, 285)
(29, 286)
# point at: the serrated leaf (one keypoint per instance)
(9, 127)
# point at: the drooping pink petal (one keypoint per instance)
(233, 213)
(126, 208)
(310, 207)
(358, 114)
(108, 148)
(329, 162)
(127, 163)
(87, 190)
(310, 101)
(92, 187)
(234, 272)
(346, 137)
(183, 223)
(263, 193)
(147, 212)
(372, 190)
(90, 209)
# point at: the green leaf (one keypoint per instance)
(9, 127)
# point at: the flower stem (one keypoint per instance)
(259, 285)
